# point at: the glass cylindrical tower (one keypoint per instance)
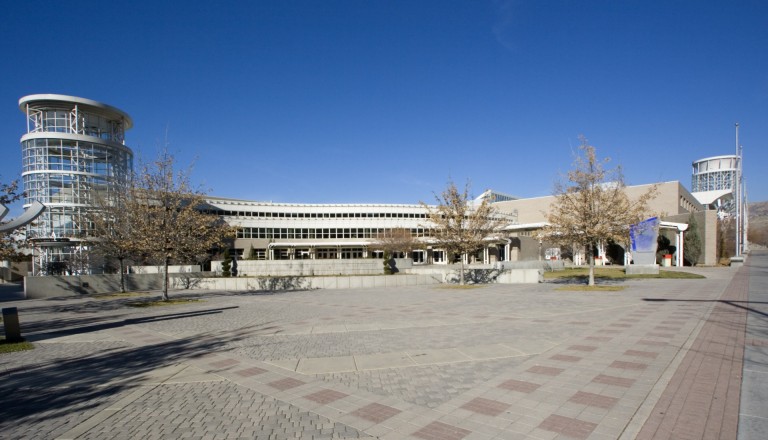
(715, 173)
(74, 149)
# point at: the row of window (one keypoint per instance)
(332, 254)
(721, 180)
(62, 121)
(322, 233)
(69, 155)
(319, 214)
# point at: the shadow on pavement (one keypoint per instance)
(40, 329)
(737, 304)
(67, 388)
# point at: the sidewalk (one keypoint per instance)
(497, 362)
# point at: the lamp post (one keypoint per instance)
(737, 193)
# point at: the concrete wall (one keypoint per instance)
(521, 276)
(55, 286)
(254, 284)
(365, 266)
(51, 286)
(500, 273)
(171, 269)
(11, 271)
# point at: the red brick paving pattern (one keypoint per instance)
(599, 338)
(624, 365)
(647, 354)
(613, 380)
(441, 431)
(224, 363)
(568, 426)
(248, 372)
(565, 358)
(520, 385)
(285, 384)
(325, 396)
(376, 412)
(702, 398)
(592, 399)
(486, 406)
(548, 371)
(652, 343)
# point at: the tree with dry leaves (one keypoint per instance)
(593, 206)
(461, 225)
(112, 221)
(394, 241)
(170, 224)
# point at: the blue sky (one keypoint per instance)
(384, 101)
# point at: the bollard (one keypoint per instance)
(11, 323)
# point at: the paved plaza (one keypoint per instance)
(660, 359)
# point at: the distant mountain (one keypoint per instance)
(758, 212)
(758, 223)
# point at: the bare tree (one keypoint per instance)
(170, 224)
(593, 206)
(460, 224)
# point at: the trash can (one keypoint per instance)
(667, 261)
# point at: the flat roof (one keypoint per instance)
(55, 100)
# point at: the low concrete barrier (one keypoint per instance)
(55, 286)
(52, 286)
(363, 266)
(483, 274)
(171, 269)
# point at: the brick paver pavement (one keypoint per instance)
(702, 399)
(496, 362)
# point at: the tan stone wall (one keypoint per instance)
(672, 203)
(666, 202)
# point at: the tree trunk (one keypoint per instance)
(461, 270)
(165, 279)
(591, 265)
(122, 274)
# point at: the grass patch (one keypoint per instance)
(161, 303)
(582, 288)
(581, 274)
(670, 274)
(10, 347)
(118, 295)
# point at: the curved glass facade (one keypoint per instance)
(714, 173)
(73, 150)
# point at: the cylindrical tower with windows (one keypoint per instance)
(74, 149)
(715, 173)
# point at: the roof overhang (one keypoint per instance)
(710, 197)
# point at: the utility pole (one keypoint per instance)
(737, 193)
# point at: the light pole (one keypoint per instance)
(737, 195)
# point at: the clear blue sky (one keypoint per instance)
(382, 101)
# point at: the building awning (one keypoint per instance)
(710, 197)
(525, 227)
(673, 225)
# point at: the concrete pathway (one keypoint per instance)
(753, 412)
(496, 362)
